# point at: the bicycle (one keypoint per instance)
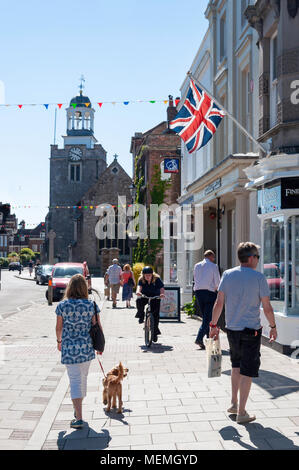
(149, 324)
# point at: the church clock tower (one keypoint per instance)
(73, 170)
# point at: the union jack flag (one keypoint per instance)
(198, 119)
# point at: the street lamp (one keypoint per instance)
(133, 190)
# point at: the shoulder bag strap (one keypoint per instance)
(95, 311)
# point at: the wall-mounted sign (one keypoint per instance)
(269, 199)
(290, 193)
(171, 165)
(283, 195)
(213, 186)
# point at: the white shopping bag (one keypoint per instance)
(214, 357)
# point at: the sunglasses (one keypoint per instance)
(256, 256)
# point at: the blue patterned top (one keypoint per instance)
(76, 346)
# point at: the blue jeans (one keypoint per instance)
(206, 300)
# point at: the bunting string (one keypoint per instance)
(74, 105)
(72, 207)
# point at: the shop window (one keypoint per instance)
(222, 51)
(274, 260)
(293, 274)
(273, 81)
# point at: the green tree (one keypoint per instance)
(27, 252)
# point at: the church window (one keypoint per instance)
(75, 172)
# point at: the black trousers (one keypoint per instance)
(206, 300)
(155, 309)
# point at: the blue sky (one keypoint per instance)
(126, 50)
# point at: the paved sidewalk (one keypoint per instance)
(169, 403)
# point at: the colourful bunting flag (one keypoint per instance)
(46, 106)
(87, 104)
(74, 105)
(59, 105)
(126, 102)
(100, 104)
(20, 105)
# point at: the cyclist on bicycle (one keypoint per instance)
(149, 284)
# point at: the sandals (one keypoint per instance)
(242, 419)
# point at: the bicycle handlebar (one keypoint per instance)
(150, 298)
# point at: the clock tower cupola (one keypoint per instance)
(80, 121)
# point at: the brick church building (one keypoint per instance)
(79, 181)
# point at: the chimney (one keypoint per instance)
(171, 110)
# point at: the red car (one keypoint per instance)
(61, 274)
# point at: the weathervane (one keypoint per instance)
(81, 86)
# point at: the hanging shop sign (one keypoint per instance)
(171, 165)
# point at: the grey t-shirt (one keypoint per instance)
(243, 289)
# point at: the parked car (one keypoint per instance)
(61, 274)
(274, 280)
(15, 266)
(43, 272)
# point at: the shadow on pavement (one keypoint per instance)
(257, 435)
(117, 416)
(84, 439)
(276, 385)
(156, 348)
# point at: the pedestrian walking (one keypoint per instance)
(30, 266)
(107, 290)
(206, 282)
(75, 315)
(114, 274)
(128, 283)
(242, 290)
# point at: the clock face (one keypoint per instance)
(75, 153)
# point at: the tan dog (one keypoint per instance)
(113, 387)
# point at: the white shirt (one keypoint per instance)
(114, 271)
(206, 275)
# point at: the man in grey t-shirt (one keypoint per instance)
(242, 290)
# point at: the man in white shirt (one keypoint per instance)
(206, 282)
(114, 274)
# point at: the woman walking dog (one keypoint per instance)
(75, 315)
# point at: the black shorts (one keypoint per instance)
(245, 351)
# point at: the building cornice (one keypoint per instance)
(268, 168)
(229, 163)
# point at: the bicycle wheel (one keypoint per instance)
(147, 329)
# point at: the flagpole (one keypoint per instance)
(229, 115)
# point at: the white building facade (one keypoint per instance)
(227, 66)
(274, 180)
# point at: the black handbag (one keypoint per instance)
(97, 335)
(130, 281)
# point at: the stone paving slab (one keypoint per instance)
(169, 402)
